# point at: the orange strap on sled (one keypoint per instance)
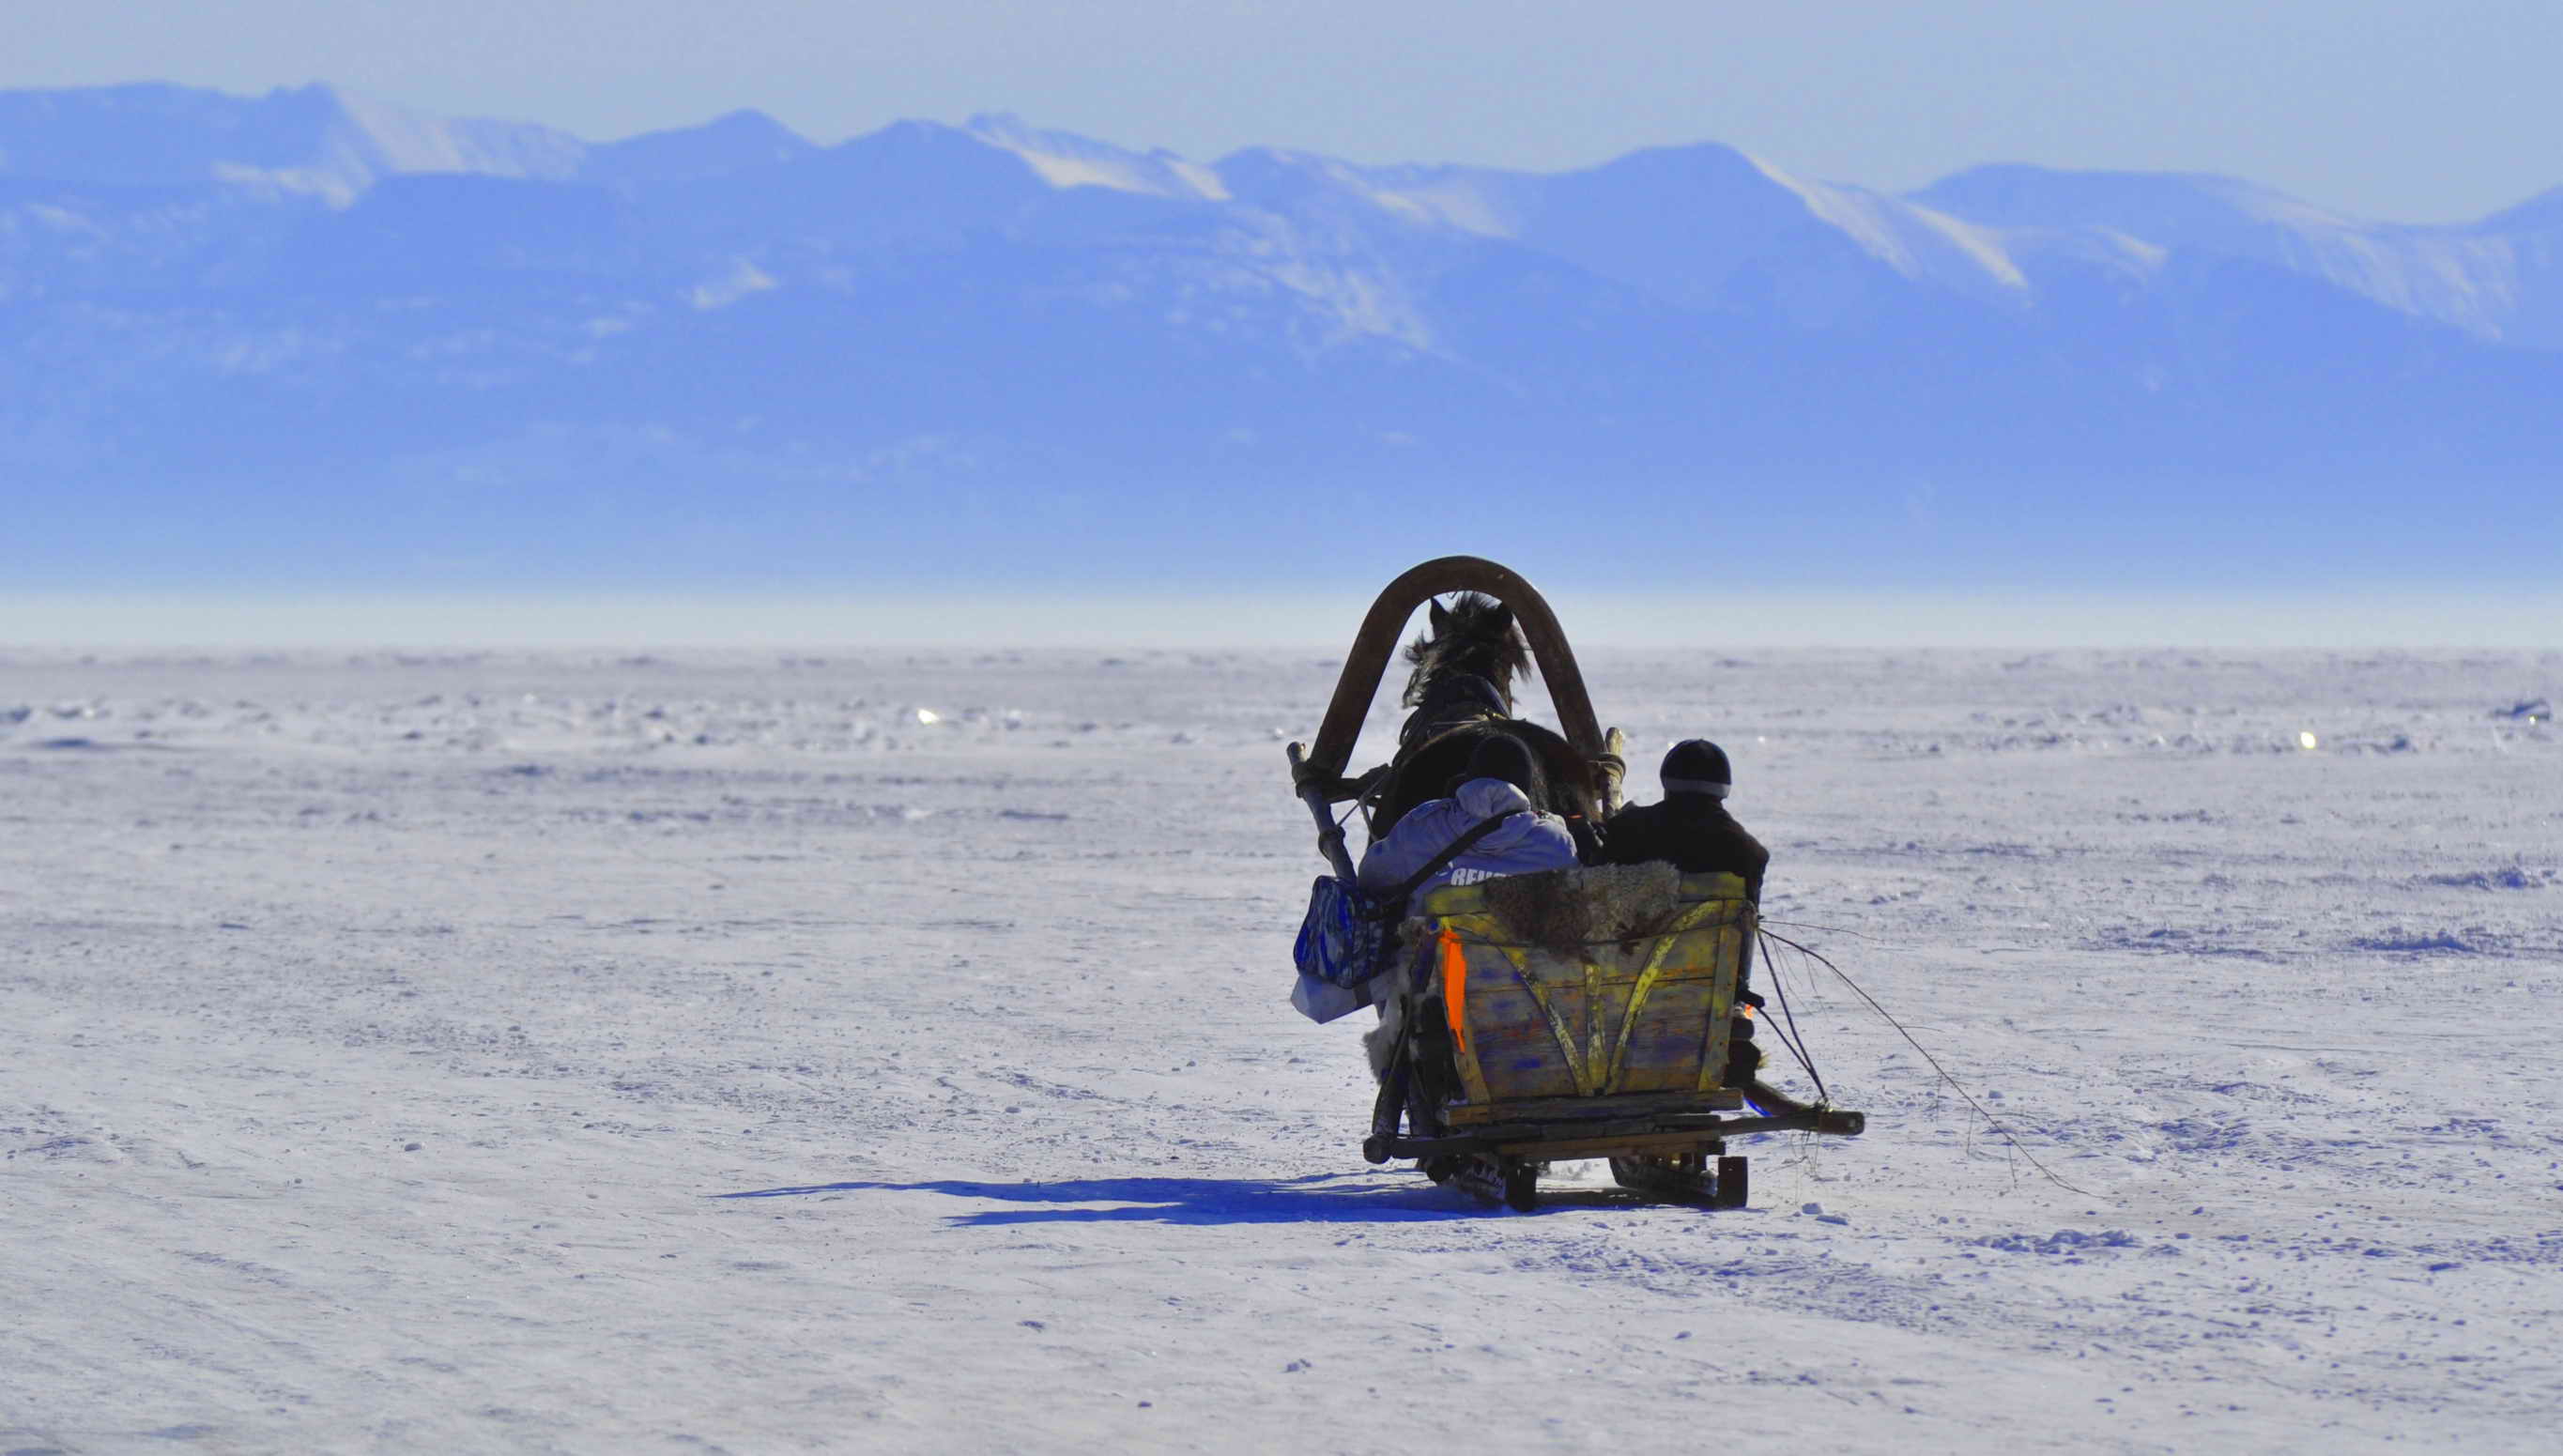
(1455, 988)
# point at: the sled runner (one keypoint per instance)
(1575, 1014)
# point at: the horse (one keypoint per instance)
(1469, 647)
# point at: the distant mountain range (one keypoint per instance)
(310, 333)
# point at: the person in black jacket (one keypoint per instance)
(1692, 829)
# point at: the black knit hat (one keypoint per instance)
(1697, 766)
(1499, 757)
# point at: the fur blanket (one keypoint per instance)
(1565, 910)
(1558, 910)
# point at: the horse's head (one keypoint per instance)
(1474, 636)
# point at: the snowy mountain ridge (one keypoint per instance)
(321, 291)
(1990, 233)
(319, 139)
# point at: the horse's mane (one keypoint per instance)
(1476, 635)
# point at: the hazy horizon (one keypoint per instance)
(1322, 621)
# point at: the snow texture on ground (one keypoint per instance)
(740, 1053)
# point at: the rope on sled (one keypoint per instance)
(1791, 1037)
(1990, 1120)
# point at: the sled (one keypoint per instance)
(1520, 1045)
(1578, 1013)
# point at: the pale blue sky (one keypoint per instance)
(2387, 108)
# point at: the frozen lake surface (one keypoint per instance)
(735, 1052)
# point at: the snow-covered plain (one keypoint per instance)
(888, 1051)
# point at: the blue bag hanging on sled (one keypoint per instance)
(1343, 943)
(1342, 936)
(1345, 938)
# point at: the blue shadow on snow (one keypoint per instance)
(1197, 1200)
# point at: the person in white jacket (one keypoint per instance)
(1496, 784)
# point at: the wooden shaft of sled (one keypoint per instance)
(1330, 836)
(1817, 1119)
(1377, 642)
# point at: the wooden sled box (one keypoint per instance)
(1587, 984)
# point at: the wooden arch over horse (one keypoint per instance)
(1377, 641)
